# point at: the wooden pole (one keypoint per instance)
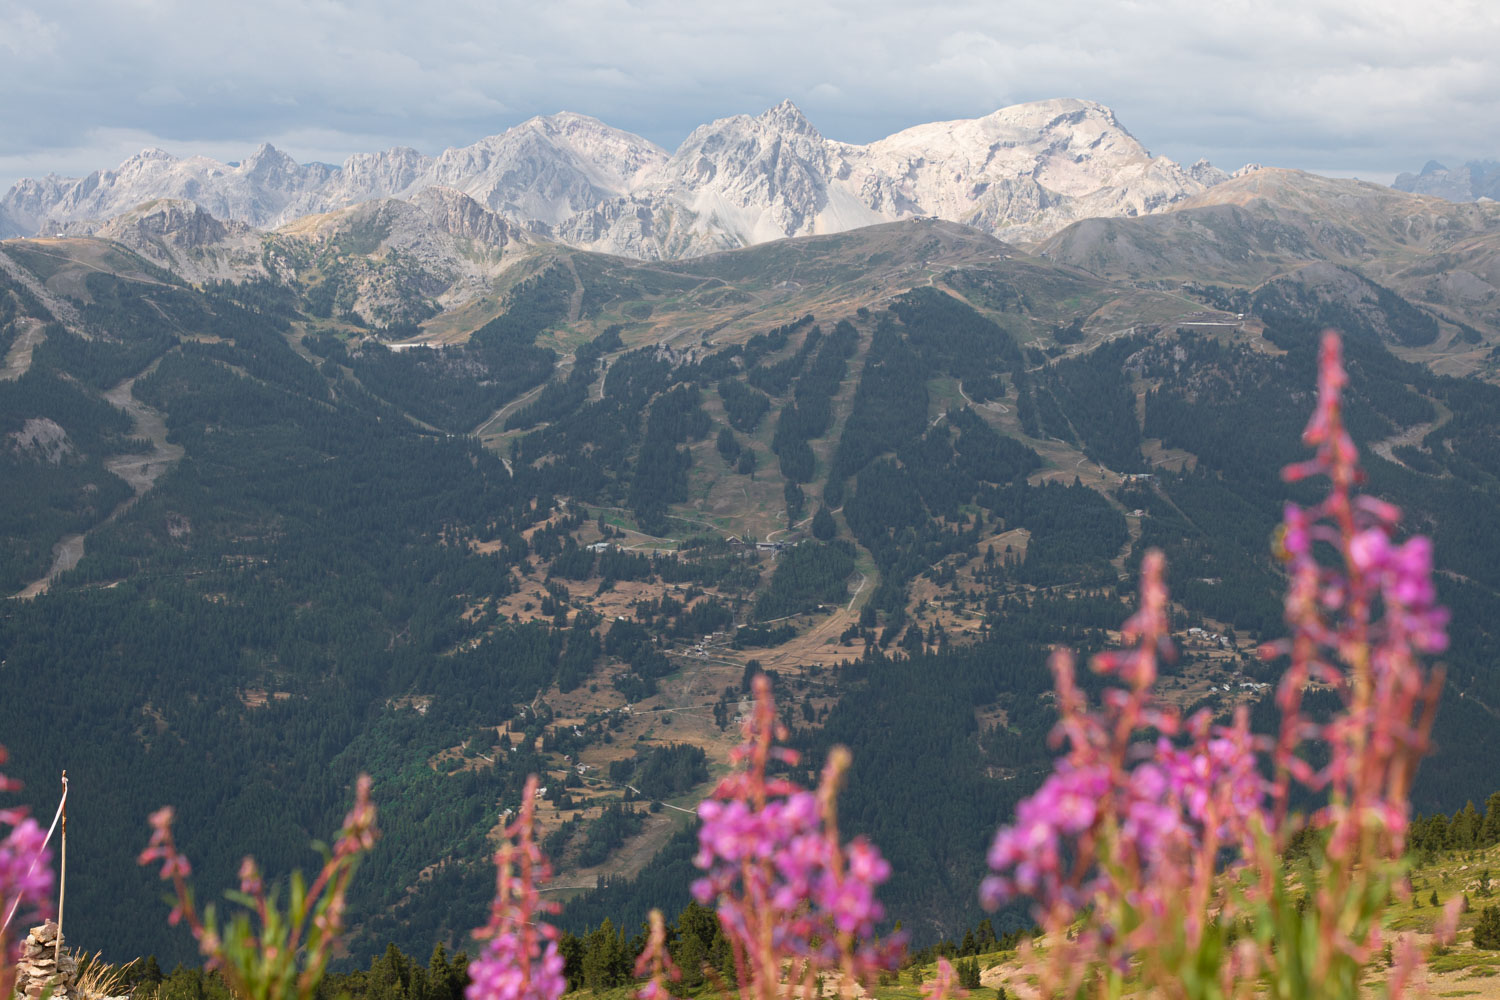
(62, 878)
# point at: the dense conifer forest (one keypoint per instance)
(338, 575)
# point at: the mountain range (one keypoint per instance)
(1021, 173)
(1474, 181)
(260, 534)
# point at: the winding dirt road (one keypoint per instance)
(140, 470)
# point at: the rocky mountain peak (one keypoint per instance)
(184, 222)
(1206, 173)
(1021, 172)
(787, 117)
(266, 155)
(457, 214)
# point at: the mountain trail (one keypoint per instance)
(140, 470)
(1411, 436)
(18, 358)
(564, 362)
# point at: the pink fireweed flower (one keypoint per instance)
(279, 956)
(25, 889)
(25, 866)
(656, 962)
(783, 885)
(1132, 835)
(944, 985)
(358, 832)
(520, 960)
(25, 879)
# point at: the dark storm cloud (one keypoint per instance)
(1376, 86)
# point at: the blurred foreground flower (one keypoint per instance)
(1156, 846)
(25, 880)
(791, 899)
(286, 956)
(515, 964)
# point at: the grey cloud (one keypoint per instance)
(1376, 86)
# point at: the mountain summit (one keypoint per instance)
(1022, 173)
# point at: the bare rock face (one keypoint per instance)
(41, 440)
(180, 236)
(456, 214)
(547, 169)
(184, 222)
(1021, 173)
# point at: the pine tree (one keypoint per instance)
(728, 445)
(985, 936)
(604, 958)
(444, 981)
(1487, 929)
(1489, 831)
(1463, 833)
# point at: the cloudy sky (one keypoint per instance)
(1351, 87)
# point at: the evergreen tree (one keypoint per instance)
(985, 936)
(1489, 832)
(824, 527)
(728, 445)
(1463, 833)
(606, 963)
(1487, 929)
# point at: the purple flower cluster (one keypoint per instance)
(944, 985)
(784, 886)
(25, 869)
(810, 887)
(1359, 622)
(1167, 807)
(515, 964)
(1120, 815)
(501, 972)
(25, 877)
(1028, 855)
(1131, 832)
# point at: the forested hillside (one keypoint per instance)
(890, 475)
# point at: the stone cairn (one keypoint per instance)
(39, 967)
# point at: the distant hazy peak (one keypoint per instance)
(1474, 180)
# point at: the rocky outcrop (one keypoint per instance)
(458, 215)
(41, 440)
(180, 236)
(42, 969)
